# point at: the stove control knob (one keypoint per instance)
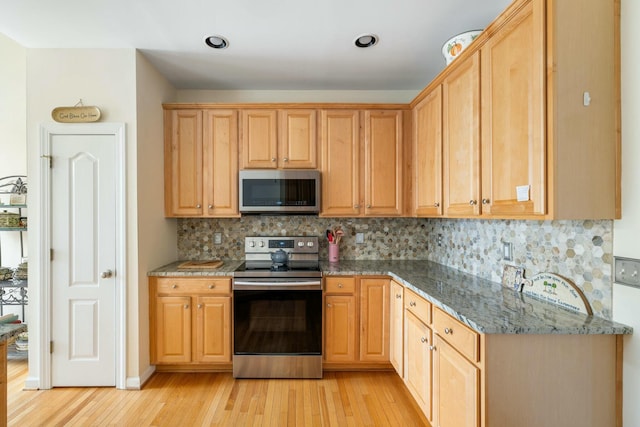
(252, 244)
(300, 243)
(310, 243)
(261, 243)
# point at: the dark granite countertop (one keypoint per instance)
(10, 330)
(485, 306)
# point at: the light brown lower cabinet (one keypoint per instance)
(356, 321)
(417, 366)
(190, 321)
(396, 328)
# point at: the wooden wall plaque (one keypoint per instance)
(77, 114)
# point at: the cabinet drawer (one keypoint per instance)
(465, 340)
(340, 285)
(181, 285)
(418, 306)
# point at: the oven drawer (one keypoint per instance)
(188, 285)
(340, 285)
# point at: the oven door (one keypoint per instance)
(277, 328)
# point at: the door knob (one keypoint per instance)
(107, 274)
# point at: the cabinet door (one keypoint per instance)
(213, 329)
(298, 148)
(427, 122)
(396, 330)
(418, 361)
(461, 133)
(340, 329)
(183, 163)
(340, 145)
(513, 142)
(455, 389)
(374, 320)
(173, 329)
(383, 183)
(259, 139)
(220, 150)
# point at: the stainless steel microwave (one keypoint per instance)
(292, 191)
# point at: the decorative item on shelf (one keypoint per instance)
(22, 272)
(22, 341)
(557, 290)
(6, 273)
(334, 236)
(79, 113)
(9, 219)
(18, 199)
(512, 277)
(456, 44)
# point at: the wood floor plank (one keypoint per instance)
(217, 399)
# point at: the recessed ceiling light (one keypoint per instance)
(366, 40)
(216, 42)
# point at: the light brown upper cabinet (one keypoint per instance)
(284, 139)
(361, 171)
(201, 163)
(461, 138)
(513, 145)
(427, 154)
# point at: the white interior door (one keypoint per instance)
(83, 265)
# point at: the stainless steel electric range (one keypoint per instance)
(277, 309)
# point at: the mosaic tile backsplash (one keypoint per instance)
(581, 251)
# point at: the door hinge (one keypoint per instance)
(51, 347)
(50, 160)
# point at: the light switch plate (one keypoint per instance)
(627, 271)
(359, 238)
(217, 238)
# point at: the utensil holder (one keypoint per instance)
(334, 252)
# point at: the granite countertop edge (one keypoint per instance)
(10, 330)
(485, 306)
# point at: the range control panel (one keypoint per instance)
(298, 244)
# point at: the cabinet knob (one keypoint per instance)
(423, 340)
(485, 201)
(368, 206)
(356, 206)
(210, 206)
(198, 206)
(448, 331)
(174, 286)
(186, 306)
(199, 305)
(398, 296)
(212, 286)
(473, 202)
(340, 285)
(436, 205)
(273, 159)
(107, 274)
(432, 347)
(286, 159)
(329, 305)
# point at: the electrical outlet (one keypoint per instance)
(359, 238)
(439, 240)
(507, 251)
(217, 238)
(627, 271)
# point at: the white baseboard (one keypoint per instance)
(136, 383)
(32, 383)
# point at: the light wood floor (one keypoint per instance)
(216, 399)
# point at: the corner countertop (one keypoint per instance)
(483, 305)
(10, 330)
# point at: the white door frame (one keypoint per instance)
(47, 131)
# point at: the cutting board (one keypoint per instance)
(558, 290)
(211, 264)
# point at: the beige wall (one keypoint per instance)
(13, 135)
(358, 96)
(156, 235)
(626, 300)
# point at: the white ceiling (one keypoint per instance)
(273, 44)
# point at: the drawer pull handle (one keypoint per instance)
(432, 347)
(340, 285)
(212, 286)
(398, 296)
(174, 286)
(423, 340)
(448, 331)
(412, 303)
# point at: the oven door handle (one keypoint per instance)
(255, 285)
